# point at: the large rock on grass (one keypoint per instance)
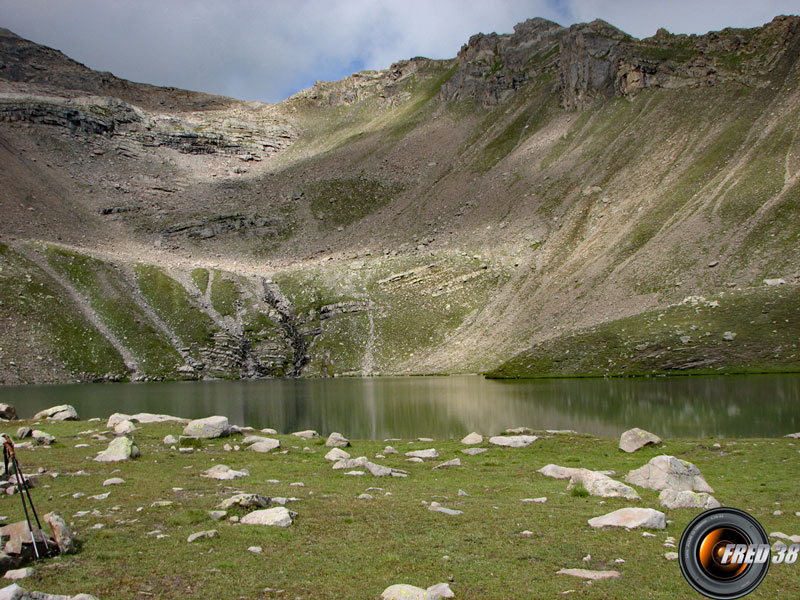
(63, 412)
(273, 517)
(595, 482)
(513, 441)
(8, 412)
(667, 472)
(636, 439)
(631, 518)
(686, 499)
(122, 448)
(208, 428)
(63, 535)
(223, 473)
(587, 574)
(472, 438)
(404, 591)
(337, 440)
(265, 445)
(337, 454)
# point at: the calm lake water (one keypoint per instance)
(442, 407)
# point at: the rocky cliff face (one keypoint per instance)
(491, 67)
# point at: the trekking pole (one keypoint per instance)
(30, 500)
(8, 454)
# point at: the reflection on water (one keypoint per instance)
(382, 407)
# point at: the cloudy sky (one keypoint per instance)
(269, 49)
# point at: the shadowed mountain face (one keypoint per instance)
(551, 201)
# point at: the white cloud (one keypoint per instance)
(268, 50)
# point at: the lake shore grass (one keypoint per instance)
(341, 546)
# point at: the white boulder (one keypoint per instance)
(665, 471)
(513, 441)
(273, 517)
(63, 412)
(635, 439)
(631, 518)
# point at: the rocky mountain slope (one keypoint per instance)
(551, 201)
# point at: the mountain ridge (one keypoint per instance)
(437, 216)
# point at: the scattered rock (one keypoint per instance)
(8, 412)
(308, 434)
(350, 463)
(114, 481)
(404, 591)
(244, 500)
(795, 539)
(269, 431)
(274, 517)
(120, 449)
(355, 473)
(211, 533)
(62, 534)
(596, 483)
(513, 441)
(377, 470)
(124, 427)
(435, 506)
(474, 451)
(255, 549)
(267, 445)
(631, 518)
(673, 499)
(429, 453)
(170, 440)
(337, 440)
(773, 282)
(635, 439)
(64, 412)
(462, 493)
(414, 459)
(337, 454)
(450, 463)
(390, 450)
(472, 438)
(216, 515)
(42, 438)
(541, 500)
(16, 574)
(365, 497)
(728, 336)
(24, 432)
(224, 473)
(587, 574)
(665, 471)
(208, 428)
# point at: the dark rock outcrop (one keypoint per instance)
(491, 66)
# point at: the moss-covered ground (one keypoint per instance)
(686, 338)
(341, 546)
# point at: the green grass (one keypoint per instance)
(111, 299)
(172, 303)
(30, 300)
(764, 321)
(342, 201)
(200, 279)
(225, 295)
(340, 546)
